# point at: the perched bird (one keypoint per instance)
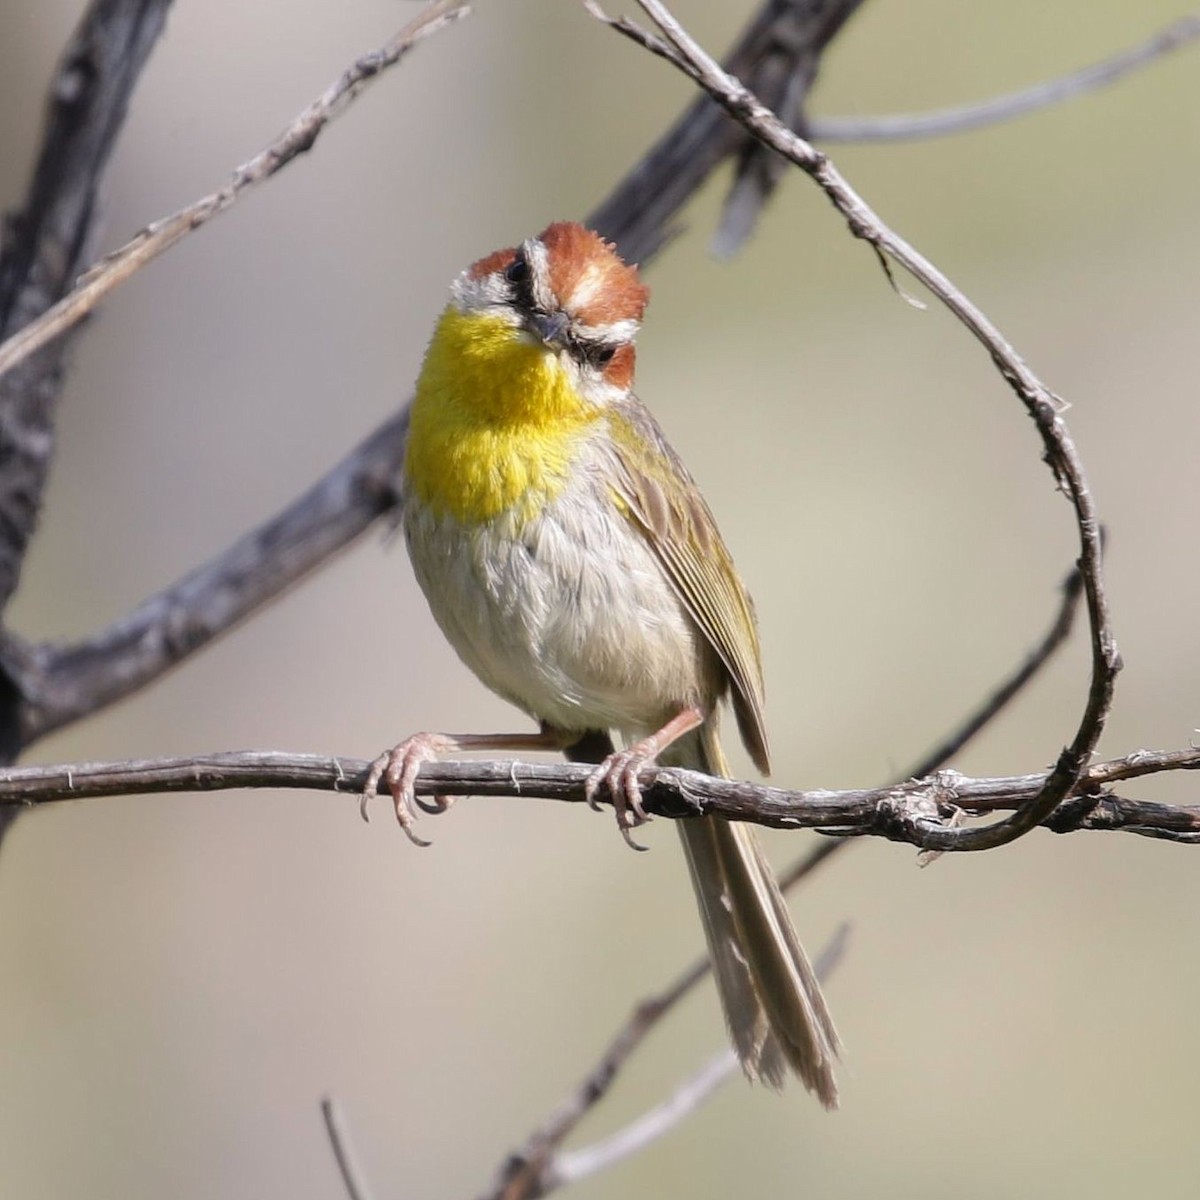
(574, 566)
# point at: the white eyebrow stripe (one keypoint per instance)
(476, 295)
(538, 260)
(614, 331)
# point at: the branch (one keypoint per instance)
(45, 245)
(689, 1096)
(916, 811)
(940, 122)
(351, 1172)
(678, 48)
(295, 140)
(777, 54)
(536, 1169)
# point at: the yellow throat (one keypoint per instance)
(495, 422)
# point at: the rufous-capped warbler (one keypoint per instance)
(572, 562)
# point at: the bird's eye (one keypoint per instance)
(517, 271)
(604, 355)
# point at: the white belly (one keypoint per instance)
(570, 617)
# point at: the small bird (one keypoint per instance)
(573, 564)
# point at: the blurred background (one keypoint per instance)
(183, 977)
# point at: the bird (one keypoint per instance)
(572, 562)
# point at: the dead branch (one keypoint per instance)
(964, 118)
(45, 245)
(299, 137)
(918, 811)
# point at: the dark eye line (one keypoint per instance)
(518, 274)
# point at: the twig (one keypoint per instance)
(1006, 692)
(295, 140)
(524, 1172)
(914, 811)
(680, 49)
(689, 1096)
(343, 1151)
(961, 119)
(777, 55)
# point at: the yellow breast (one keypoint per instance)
(496, 421)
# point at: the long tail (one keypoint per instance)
(773, 1004)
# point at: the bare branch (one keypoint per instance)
(44, 246)
(1008, 689)
(689, 1096)
(963, 118)
(777, 54)
(295, 140)
(343, 1151)
(915, 811)
(1046, 409)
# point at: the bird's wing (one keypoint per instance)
(665, 505)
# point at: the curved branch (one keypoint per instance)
(681, 50)
(963, 118)
(916, 811)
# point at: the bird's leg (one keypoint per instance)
(620, 771)
(398, 767)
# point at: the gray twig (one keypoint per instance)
(343, 1150)
(966, 117)
(571, 1166)
(121, 265)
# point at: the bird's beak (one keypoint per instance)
(550, 327)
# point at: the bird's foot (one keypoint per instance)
(397, 768)
(619, 773)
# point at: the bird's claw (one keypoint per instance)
(619, 772)
(397, 768)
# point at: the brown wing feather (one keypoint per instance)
(666, 506)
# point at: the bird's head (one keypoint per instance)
(567, 293)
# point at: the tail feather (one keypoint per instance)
(774, 1008)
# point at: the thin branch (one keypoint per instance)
(295, 140)
(1007, 691)
(915, 811)
(343, 1150)
(966, 117)
(689, 1096)
(681, 50)
(777, 55)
